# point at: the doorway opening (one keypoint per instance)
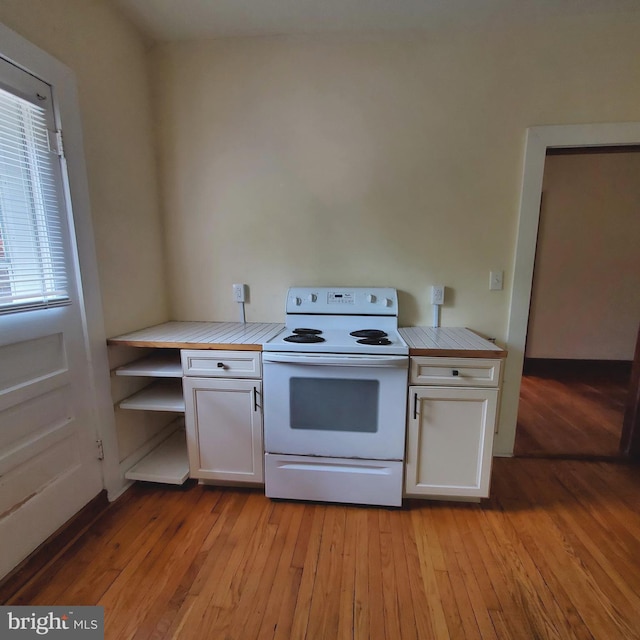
(539, 141)
(585, 305)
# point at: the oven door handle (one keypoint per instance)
(336, 360)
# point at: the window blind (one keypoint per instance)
(32, 256)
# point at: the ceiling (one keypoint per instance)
(169, 20)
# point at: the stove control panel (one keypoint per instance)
(334, 297)
(343, 300)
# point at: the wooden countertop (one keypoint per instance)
(454, 342)
(234, 336)
(423, 341)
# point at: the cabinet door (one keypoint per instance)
(450, 441)
(224, 429)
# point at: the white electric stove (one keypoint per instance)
(335, 385)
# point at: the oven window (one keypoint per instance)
(330, 404)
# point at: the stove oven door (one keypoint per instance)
(346, 406)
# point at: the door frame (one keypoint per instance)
(39, 63)
(630, 438)
(538, 140)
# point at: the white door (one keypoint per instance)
(49, 465)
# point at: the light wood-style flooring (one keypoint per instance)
(572, 412)
(554, 553)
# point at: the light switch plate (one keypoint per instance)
(496, 280)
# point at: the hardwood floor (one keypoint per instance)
(554, 553)
(569, 411)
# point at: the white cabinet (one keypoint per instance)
(223, 415)
(452, 417)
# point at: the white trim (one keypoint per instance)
(42, 65)
(539, 139)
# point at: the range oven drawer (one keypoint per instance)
(376, 482)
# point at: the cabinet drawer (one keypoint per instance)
(221, 364)
(455, 372)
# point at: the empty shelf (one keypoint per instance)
(159, 396)
(167, 463)
(163, 365)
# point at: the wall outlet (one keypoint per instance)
(496, 280)
(437, 294)
(239, 292)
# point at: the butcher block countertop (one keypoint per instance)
(231, 336)
(423, 341)
(454, 342)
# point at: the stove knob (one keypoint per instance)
(312, 297)
(297, 301)
(371, 298)
(388, 302)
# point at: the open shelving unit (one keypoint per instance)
(168, 462)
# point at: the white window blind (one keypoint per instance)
(32, 257)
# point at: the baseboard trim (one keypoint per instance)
(561, 366)
(577, 457)
(52, 547)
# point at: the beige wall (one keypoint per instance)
(111, 67)
(586, 295)
(390, 160)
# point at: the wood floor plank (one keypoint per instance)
(376, 586)
(325, 601)
(389, 580)
(416, 585)
(400, 561)
(428, 568)
(300, 620)
(361, 608)
(346, 619)
(282, 591)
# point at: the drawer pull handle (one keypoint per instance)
(221, 365)
(455, 372)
